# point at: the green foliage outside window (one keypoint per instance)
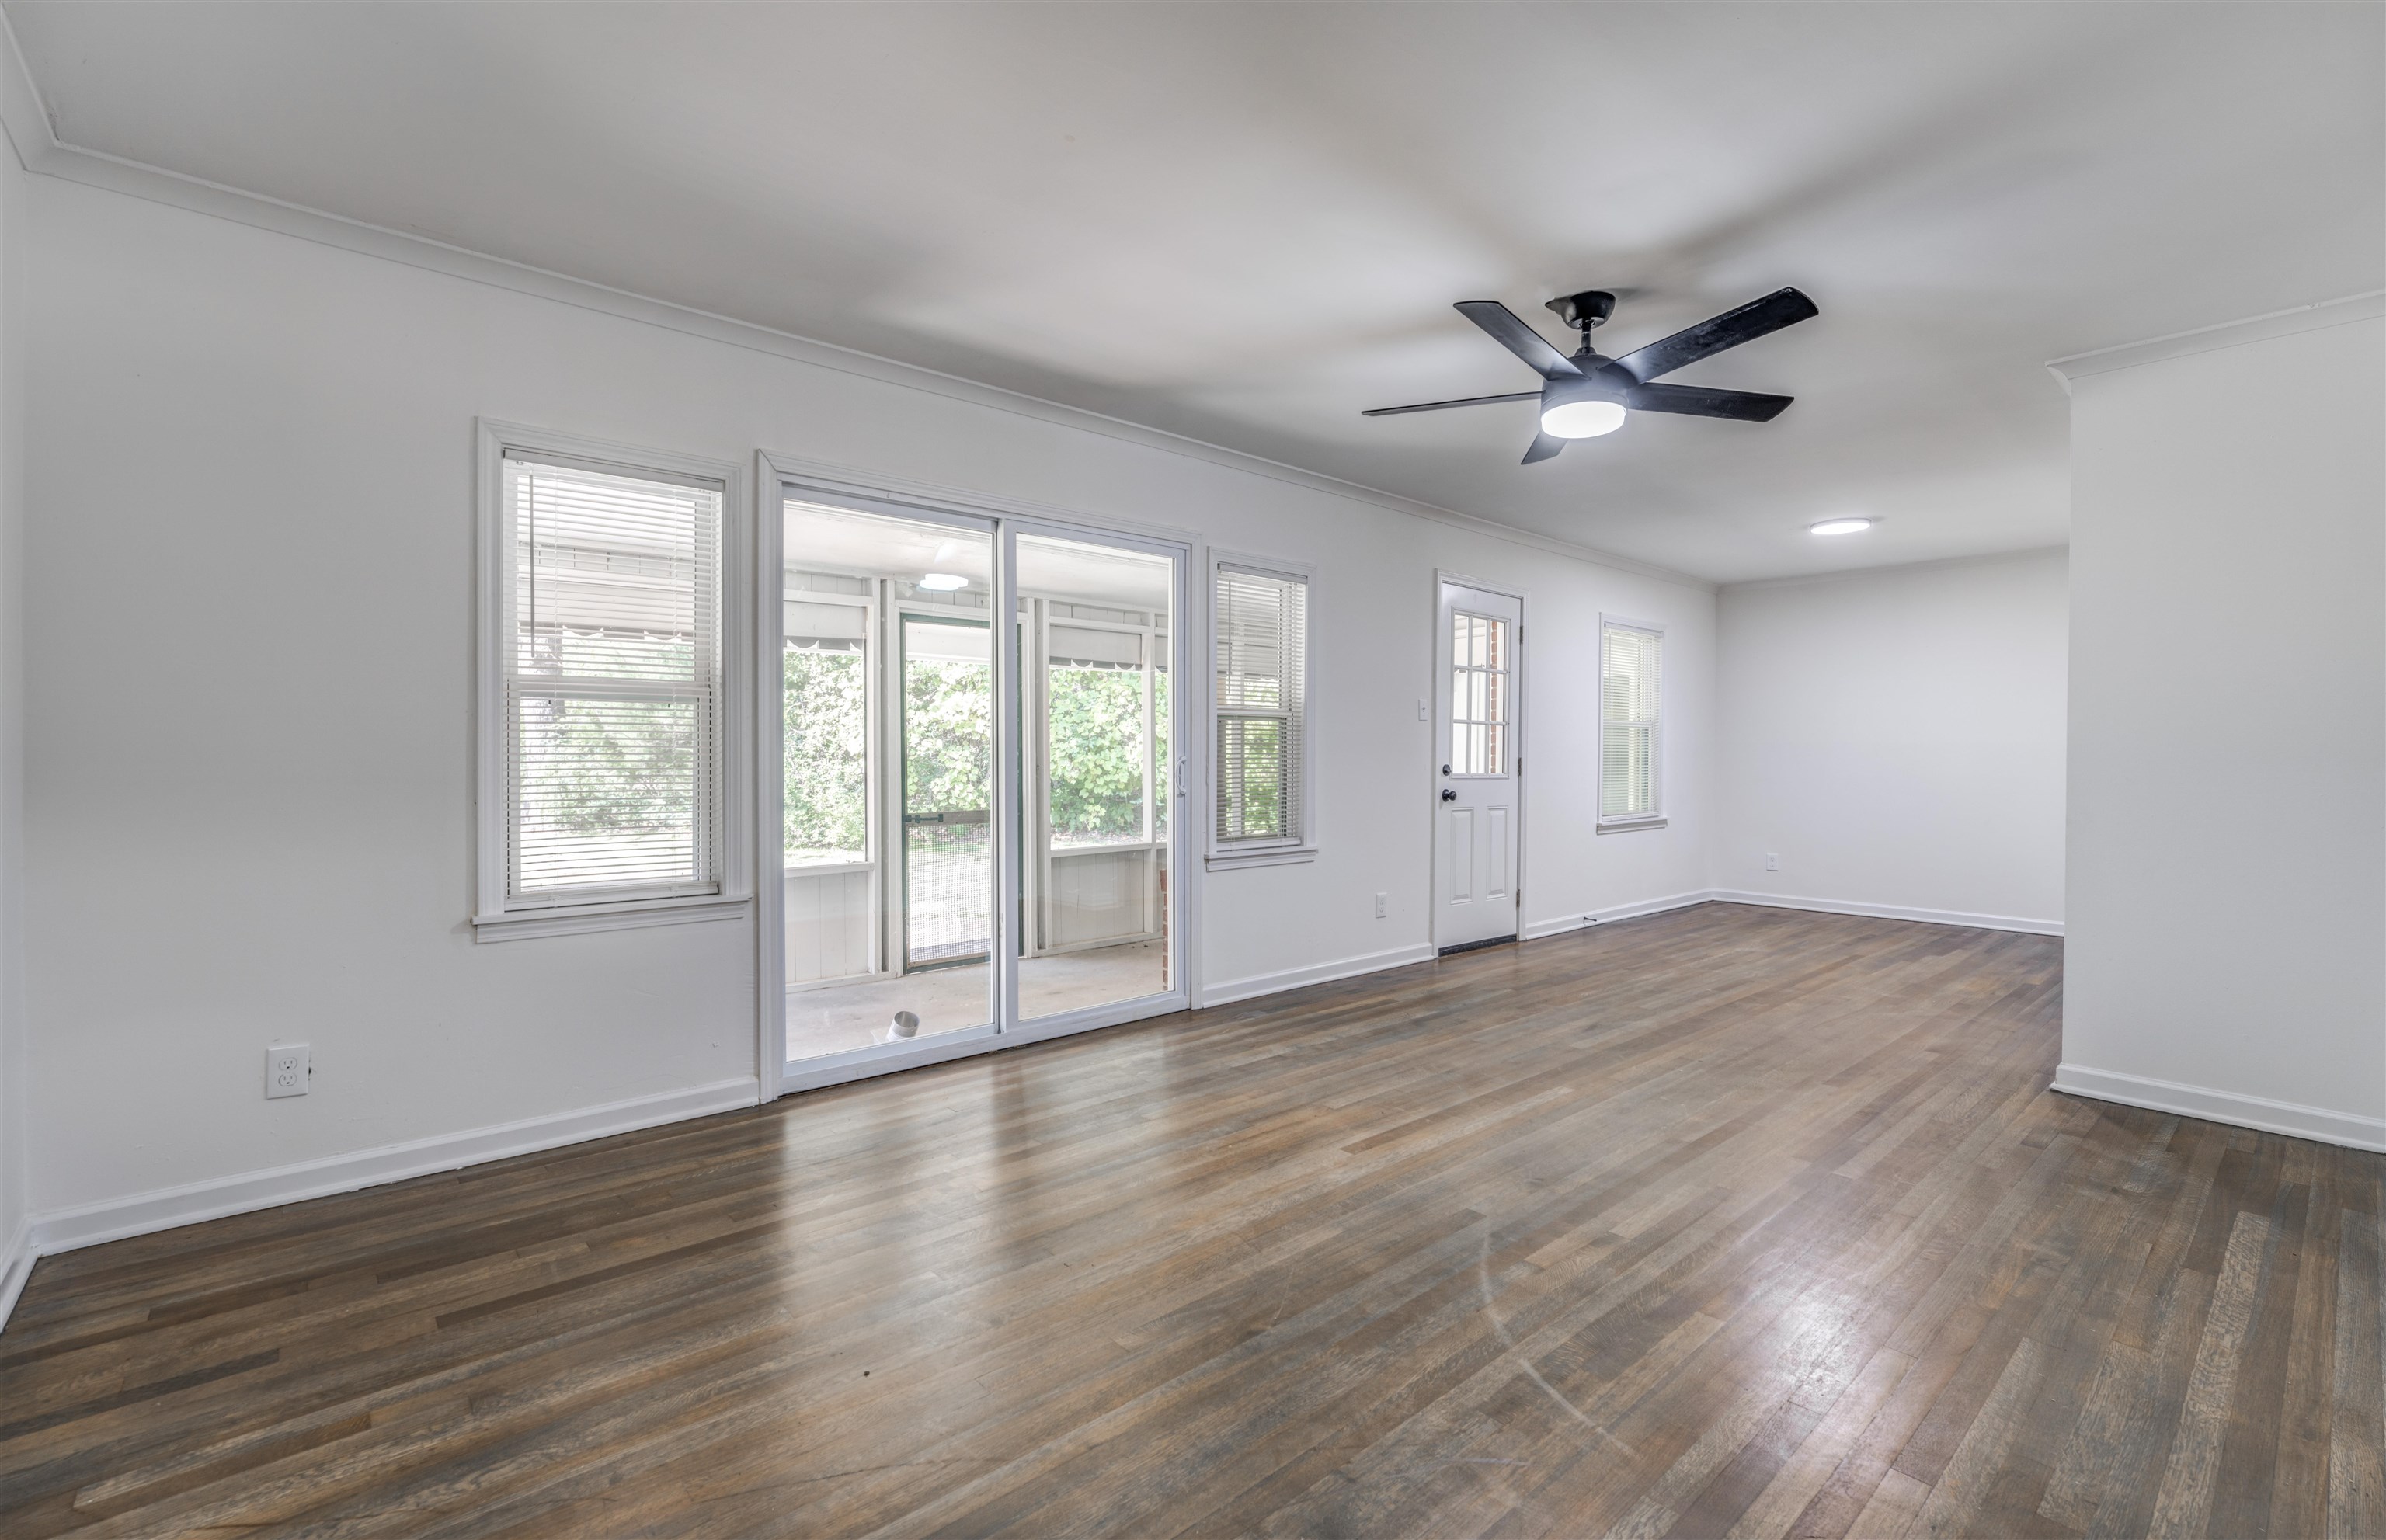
(1097, 754)
(1096, 750)
(949, 733)
(827, 754)
(610, 767)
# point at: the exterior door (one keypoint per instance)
(1477, 647)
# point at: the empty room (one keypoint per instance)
(1193, 769)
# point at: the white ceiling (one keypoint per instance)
(1245, 223)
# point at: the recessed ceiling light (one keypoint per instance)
(1839, 526)
(943, 583)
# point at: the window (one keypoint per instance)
(824, 720)
(1628, 722)
(1478, 695)
(602, 674)
(1259, 626)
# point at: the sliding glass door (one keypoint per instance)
(978, 782)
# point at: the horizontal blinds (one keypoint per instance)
(611, 688)
(1628, 721)
(1261, 636)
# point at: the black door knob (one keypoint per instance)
(1449, 795)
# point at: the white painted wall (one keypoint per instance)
(2228, 845)
(1896, 737)
(15, 1207)
(249, 498)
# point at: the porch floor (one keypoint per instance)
(853, 1016)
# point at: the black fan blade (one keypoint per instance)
(1439, 405)
(1751, 321)
(1700, 401)
(1510, 331)
(1544, 447)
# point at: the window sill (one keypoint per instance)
(1282, 855)
(531, 923)
(1626, 826)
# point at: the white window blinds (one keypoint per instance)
(1260, 626)
(1628, 721)
(612, 710)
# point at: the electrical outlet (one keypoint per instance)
(285, 1069)
(1772, 862)
(1423, 712)
(1381, 899)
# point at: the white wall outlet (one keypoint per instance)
(285, 1069)
(1381, 899)
(1772, 862)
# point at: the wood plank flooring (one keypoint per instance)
(1730, 1222)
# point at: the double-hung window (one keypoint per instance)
(1630, 724)
(602, 754)
(1259, 626)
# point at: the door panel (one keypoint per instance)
(1477, 647)
(885, 735)
(1098, 621)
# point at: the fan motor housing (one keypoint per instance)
(1593, 384)
(1585, 310)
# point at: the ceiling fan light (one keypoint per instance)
(1582, 419)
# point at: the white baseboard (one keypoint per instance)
(2323, 1124)
(1892, 912)
(1231, 990)
(16, 1258)
(1565, 923)
(167, 1209)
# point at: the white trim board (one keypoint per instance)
(171, 1208)
(1892, 570)
(2228, 333)
(16, 1259)
(43, 152)
(1229, 991)
(2319, 1124)
(1891, 911)
(1568, 924)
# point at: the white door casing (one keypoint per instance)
(1478, 647)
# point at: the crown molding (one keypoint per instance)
(1892, 570)
(30, 130)
(22, 115)
(2229, 333)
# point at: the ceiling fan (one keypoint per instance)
(1589, 395)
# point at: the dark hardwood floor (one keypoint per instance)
(1728, 1221)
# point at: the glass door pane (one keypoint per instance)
(887, 726)
(1098, 622)
(947, 740)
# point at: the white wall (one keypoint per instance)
(15, 1209)
(1896, 737)
(250, 514)
(2228, 845)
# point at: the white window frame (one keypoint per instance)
(1656, 816)
(1302, 845)
(495, 917)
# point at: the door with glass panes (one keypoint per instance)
(1478, 638)
(979, 795)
